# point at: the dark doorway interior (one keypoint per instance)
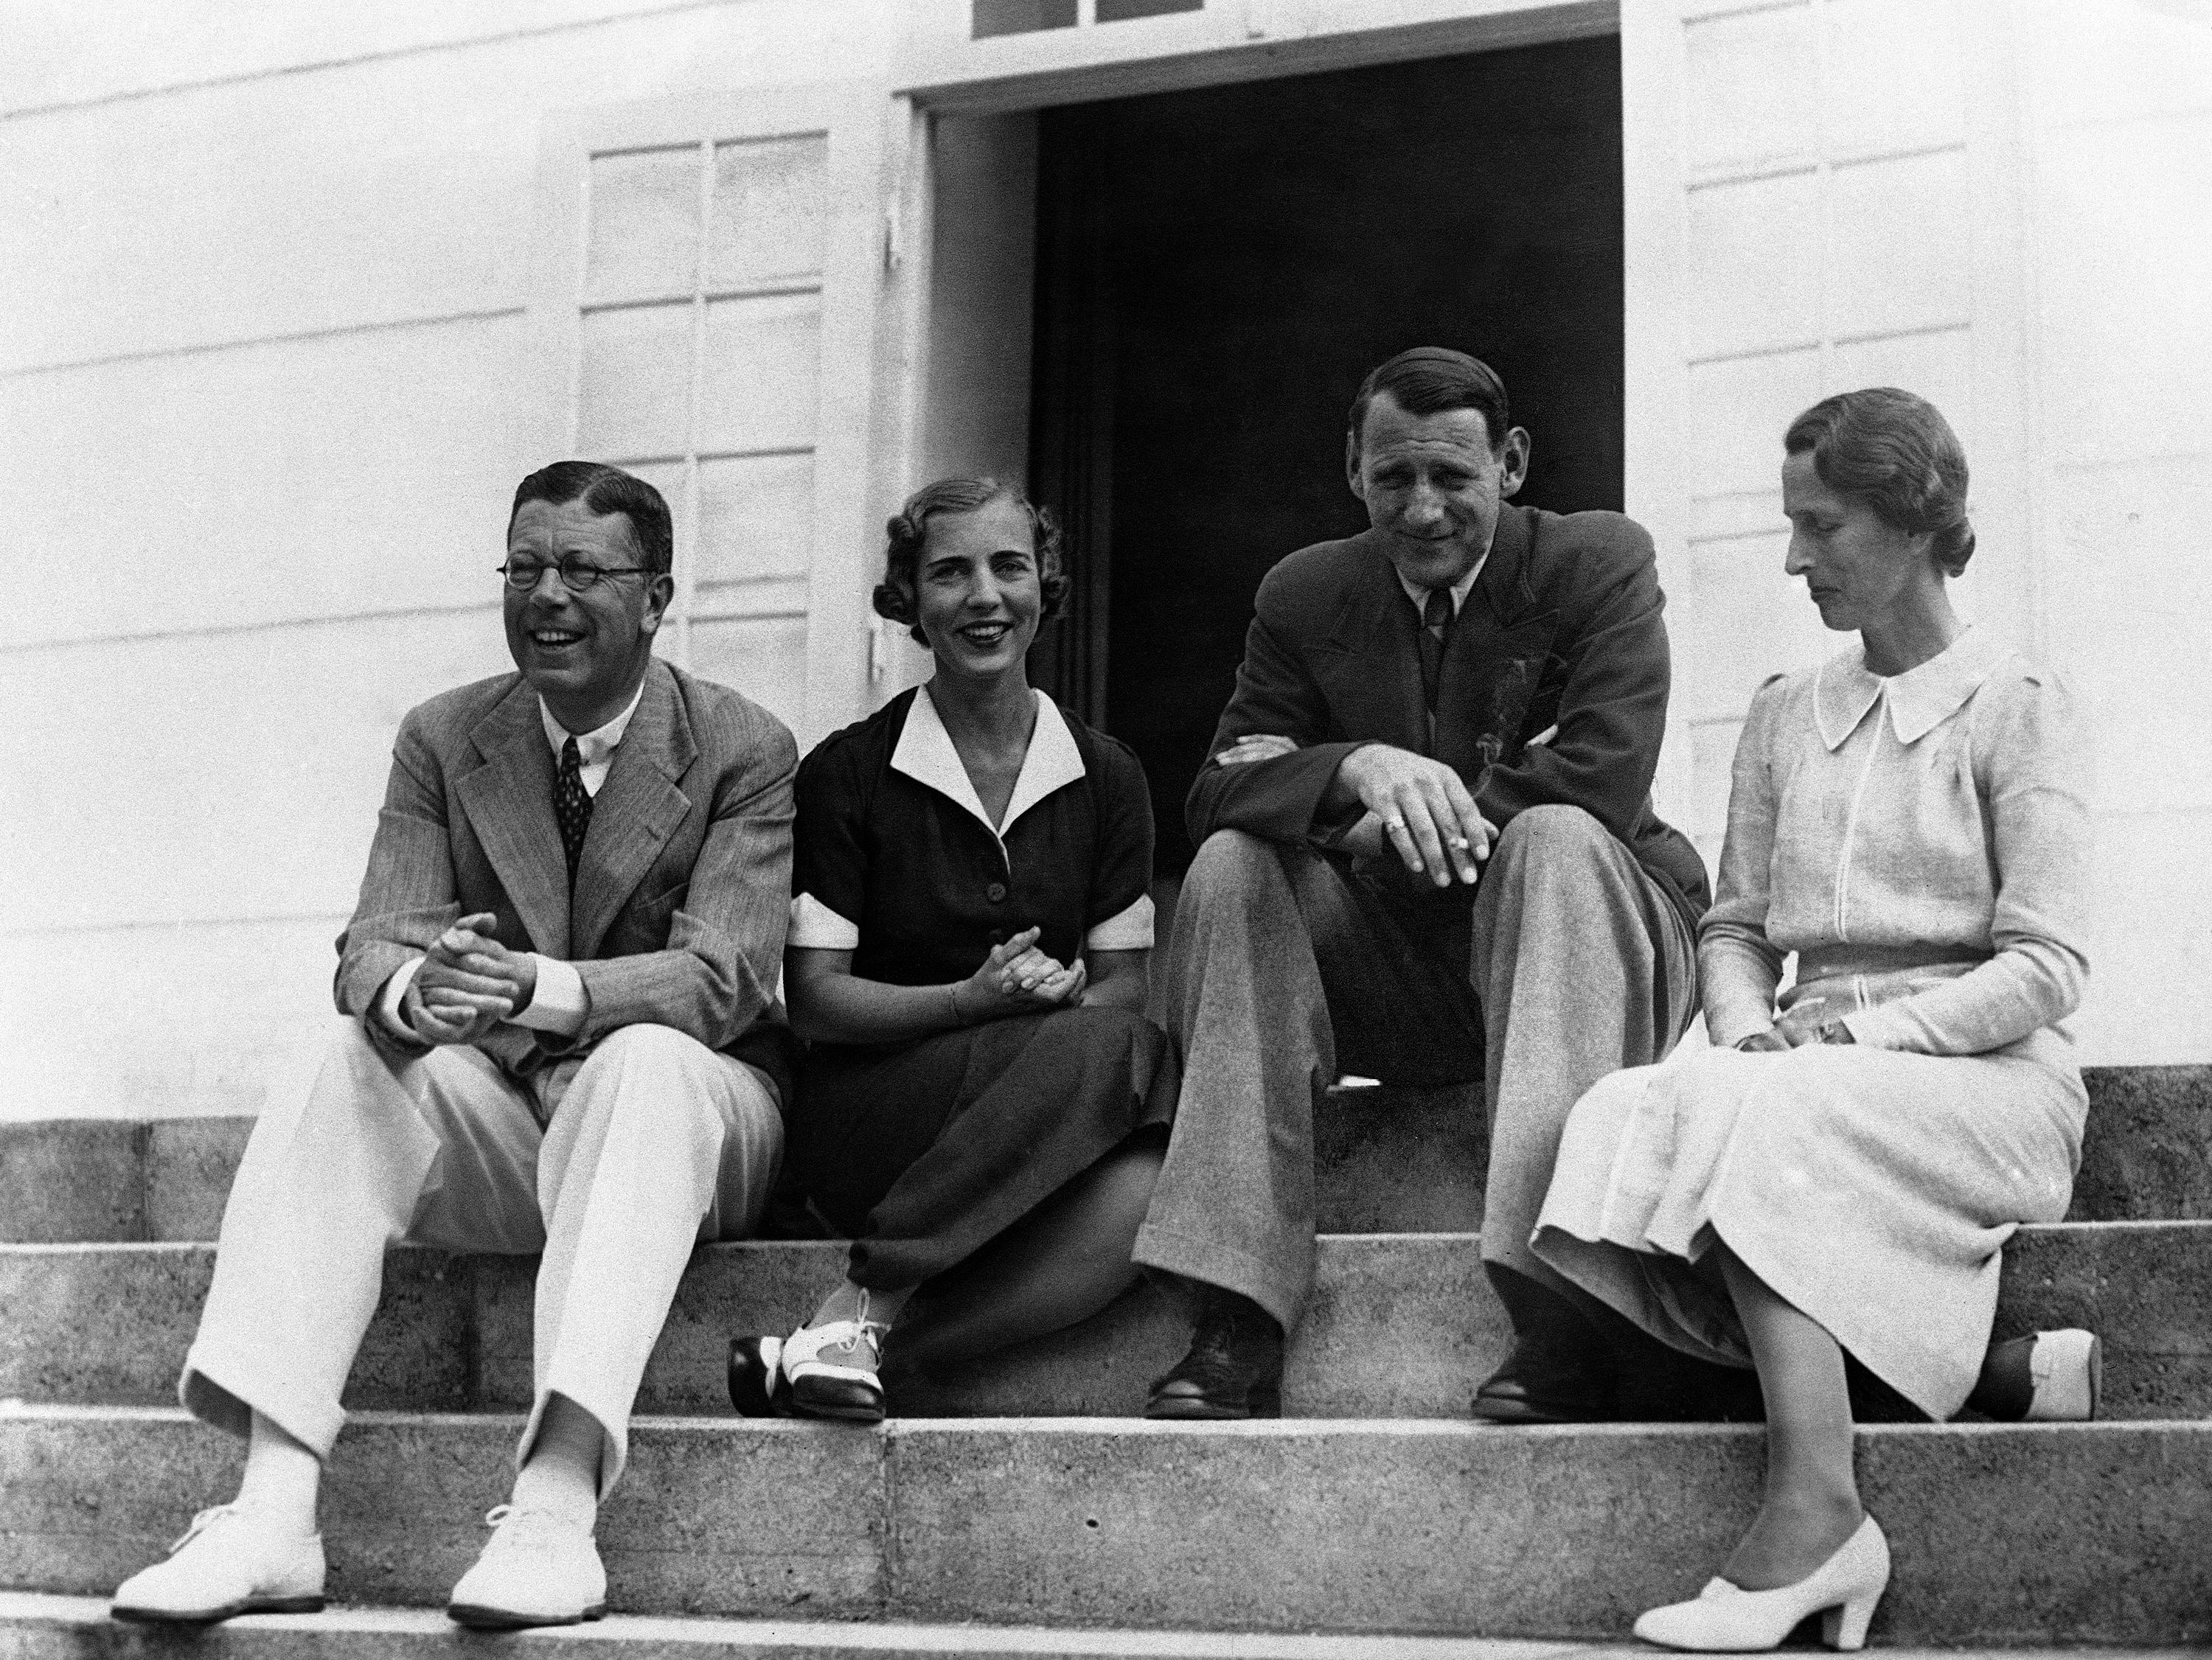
(1216, 269)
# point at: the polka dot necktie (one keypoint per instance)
(1436, 630)
(572, 806)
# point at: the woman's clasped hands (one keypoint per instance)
(1018, 978)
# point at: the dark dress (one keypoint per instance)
(925, 1150)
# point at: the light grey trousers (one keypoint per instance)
(1582, 964)
(614, 1165)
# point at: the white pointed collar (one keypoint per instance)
(925, 753)
(1920, 699)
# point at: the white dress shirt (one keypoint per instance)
(1459, 589)
(560, 1002)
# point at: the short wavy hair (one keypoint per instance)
(603, 489)
(908, 529)
(1894, 451)
(1429, 380)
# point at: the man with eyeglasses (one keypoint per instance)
(564, 1039)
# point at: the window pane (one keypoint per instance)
(765, 658)
(761, 382)
(769, 211)
(1020, 16)
(1119, 11)
(634, 397)
(756, 517)
(644, 225)
(667, 477)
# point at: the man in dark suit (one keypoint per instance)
(1426, 854)
(564, 1039)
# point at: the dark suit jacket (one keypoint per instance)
(1563, 626)
(681, 891)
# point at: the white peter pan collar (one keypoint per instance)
(1920, 699)
(925, 753)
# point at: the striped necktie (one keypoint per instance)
(1436, 619)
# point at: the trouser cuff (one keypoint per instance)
(1281, 1293)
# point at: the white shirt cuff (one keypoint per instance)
(1125, 930)
(388, 1000)
(560, 1002)
(816, 927)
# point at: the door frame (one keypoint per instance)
(934, 404)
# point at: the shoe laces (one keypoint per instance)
(201, 1523)
(512, 1526)
(864, 1334)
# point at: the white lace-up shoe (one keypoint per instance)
(539, 1570)
(229, 1561)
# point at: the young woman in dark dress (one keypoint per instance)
(983, 1104)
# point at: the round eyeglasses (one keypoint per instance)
(578, 575)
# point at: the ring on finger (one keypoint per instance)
(1394, 824)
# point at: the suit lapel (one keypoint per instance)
(1375, 689)
(636, 811)
(509, 804)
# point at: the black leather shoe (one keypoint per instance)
(758, 1388)
(1235, 1366)
(1545, 1381)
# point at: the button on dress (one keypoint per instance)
(1922, 844)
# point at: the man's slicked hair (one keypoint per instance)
(1430, 379)
(603, 490)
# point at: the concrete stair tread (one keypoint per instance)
(1400, 1159)
(2003, 1534)
(111, 1323)
(47, 1627)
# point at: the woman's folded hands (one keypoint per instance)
(1018, 978)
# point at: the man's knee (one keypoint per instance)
(647, 1044)
(1553, 830)
(668, 1075)
(655, 1069)
(1231, 864)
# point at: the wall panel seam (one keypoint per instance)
(329, 331)
(225, 630)
(285, 919)
(390, 54)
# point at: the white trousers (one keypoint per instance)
(613, 1165)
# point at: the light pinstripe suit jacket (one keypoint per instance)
(681, 891)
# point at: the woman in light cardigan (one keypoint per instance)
(1839, 1173)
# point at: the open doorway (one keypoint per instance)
(1216, 269)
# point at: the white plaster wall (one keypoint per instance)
(265, 263)
(2007, 208)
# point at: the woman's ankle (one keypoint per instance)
(848, 1301)
(1793, 1534)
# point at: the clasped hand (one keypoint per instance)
(468, 983)
(1018, 978)
(1792, 1031)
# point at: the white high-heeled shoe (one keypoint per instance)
(1726, 1619)
(2067, 1368)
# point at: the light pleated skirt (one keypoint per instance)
(1871, 1188)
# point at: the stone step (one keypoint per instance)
(1400, 1326)
(1388, 1161)
(35, 1626)
(2002, 1534)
